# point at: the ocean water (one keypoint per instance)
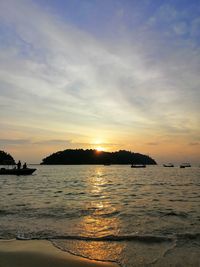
(136, 217)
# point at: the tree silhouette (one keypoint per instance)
(6, 159)
(90, 156)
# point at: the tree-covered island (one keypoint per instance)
(6, 159)
(91, 156)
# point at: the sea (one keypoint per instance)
(135, 217)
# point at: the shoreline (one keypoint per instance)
(40, 253)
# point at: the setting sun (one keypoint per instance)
(100, 148)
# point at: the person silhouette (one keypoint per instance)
(19, 165)
(24, 166)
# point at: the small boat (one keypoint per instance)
(138, 166)
(169, 165)
(14, 171)
(185, 165)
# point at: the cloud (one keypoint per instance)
(53, 142)
(181, 28)
(153, 143)
(14, 141)
(194, 144)
(62, 142)
(195, 26)
(167, 13)
(71, 144)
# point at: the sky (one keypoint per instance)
(107, 74)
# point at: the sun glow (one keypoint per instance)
(100, 148)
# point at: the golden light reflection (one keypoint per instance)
(96, 250)
(101, 220)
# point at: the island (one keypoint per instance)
(6, 159)
(92, 156)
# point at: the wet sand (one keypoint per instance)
(41, 253)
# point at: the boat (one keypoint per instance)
(169, 165)
(14, 171)
(138, 166)
(185, 165)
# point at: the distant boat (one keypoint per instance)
(169, 165)
(138, 166)
(185, 165)
(27, 171)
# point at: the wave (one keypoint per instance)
(6, 212)
(146, 238)
(174, 213)
(141, 238)
(190, 236)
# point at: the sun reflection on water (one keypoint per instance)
(104, 251)
(100, 220)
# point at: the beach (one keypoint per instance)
(40, 253)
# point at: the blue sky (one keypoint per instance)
(95, 16)
(116, 74)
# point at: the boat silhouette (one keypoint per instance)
(169, 165)
(15, 171)
(185, 165)
(138, 166)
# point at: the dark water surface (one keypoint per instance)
(137, 217)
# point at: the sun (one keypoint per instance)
(99, 148)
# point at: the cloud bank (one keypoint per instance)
(141, 84)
